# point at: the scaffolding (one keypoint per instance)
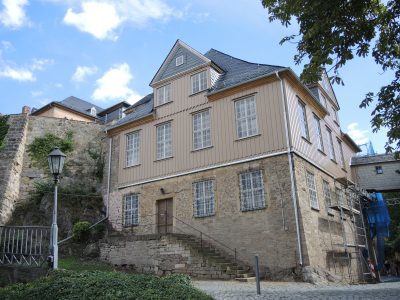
(349, 249)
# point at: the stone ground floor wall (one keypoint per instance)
(161, 255)
(324, 232)
(268, 232)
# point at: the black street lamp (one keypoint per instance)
(56, 163)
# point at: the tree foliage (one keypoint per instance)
(3, 130)
(334, 32)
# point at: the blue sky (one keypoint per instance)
(106, 51)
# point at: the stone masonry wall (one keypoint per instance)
(11, 165)
(269, 232)
(18, 173)
(79, 165)
(323, 229)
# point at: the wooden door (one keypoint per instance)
(164, 216)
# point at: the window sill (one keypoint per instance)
(133, 166)
(199, 92)
(315, 209)
(248, 137)
(336, 122)
(164, 158)
(306, 139)
(206, 216)
(334, 161)
(205, 148)
(130, 225)
(330, 213)
(252, 209)
(159, 105)
(322, 152)
(344, 170)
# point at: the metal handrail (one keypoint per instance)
(207, 235)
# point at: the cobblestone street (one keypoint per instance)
(287, 290)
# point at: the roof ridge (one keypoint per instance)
(212, 49)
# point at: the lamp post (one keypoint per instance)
(56, 163)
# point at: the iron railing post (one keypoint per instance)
(201, 240)
(235, 255)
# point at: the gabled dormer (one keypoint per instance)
(182, 60)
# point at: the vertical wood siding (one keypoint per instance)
(310, 148)
(225, 145)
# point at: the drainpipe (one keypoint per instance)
(108, 178)
(291, 167)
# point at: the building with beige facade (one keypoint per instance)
(242, 156)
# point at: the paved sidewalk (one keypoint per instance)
(289, 290)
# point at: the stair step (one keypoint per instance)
(246, 279)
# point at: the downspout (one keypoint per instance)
(291, 167)
(108, 178)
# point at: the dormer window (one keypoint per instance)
(179, 60)
(93, 111)
(199, 82)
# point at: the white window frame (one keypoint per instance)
(312, 190)
(198, 82)
(340, 197)
(335, 115)
(164, 94)
(327, 194)
(131, 209)
(342, 161)
(332, 154)
(179, 60)
(132, 148)
(201, 129)
(318, 131)
(378, 170)
(203, 198)
(252, 187)
(164, 140)
(246, 117)
(303, 120)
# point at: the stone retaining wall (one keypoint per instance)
(11, 158)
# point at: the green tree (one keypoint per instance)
(334, 32)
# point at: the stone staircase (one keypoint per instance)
(215, 258)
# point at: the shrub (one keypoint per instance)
(81, 231)
(3, 130)
(63, 285)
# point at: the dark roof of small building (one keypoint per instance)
(71, 103)
(79, 104)
(236, 70)
(373, 159)
(113, 107)
(146, 110)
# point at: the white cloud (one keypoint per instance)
(20, 74)
(82, 72)
(39, 64)
(359, 136)
(26, 73)
(13, 14)
(101, 18)
(59, 85)
(98, 19)
(114, 84)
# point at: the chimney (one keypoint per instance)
(26, 110)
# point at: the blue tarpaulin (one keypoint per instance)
(378, 220)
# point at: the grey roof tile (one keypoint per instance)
(373, 159)
(236, 70)
(146, 110)
(79, 105)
